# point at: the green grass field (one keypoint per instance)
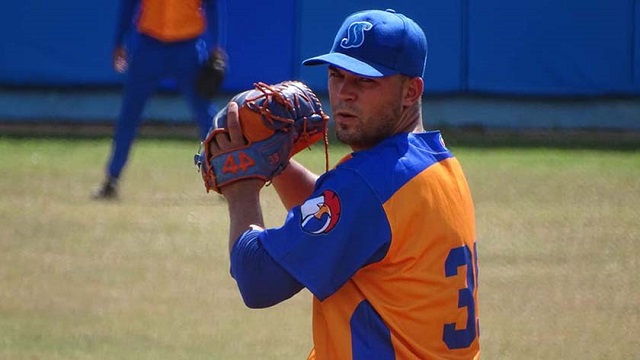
(148, 277)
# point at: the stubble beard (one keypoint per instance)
(370, 131)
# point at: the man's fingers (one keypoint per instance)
(233, 125)
(231, 138)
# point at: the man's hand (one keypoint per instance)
(120, 59)
(258, 132)
(243, 196)
(234, 139)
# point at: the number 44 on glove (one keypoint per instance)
(277, 122)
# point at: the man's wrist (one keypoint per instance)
(243, 191)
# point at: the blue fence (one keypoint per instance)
(528, 47)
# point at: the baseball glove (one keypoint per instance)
(277, 121)
(211, 74)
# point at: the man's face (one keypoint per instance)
(365, 110)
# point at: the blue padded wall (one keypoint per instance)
(528, 47)
(636, 48)
(70, 43)
(57, 43)
(261, 42)
(552, 47)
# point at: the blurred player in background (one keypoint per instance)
(171, 39)
(386, 240)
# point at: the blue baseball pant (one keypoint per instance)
(151, 62)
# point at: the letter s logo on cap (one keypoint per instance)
(355, 34)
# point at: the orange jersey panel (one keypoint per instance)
(409, 289)
(171, 20)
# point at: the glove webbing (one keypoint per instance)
(267, 91)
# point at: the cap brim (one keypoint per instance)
(350, 64)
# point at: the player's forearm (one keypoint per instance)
(244, 211)
(294, 185)
(126, 9)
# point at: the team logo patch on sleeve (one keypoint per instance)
(320, 214)
(444, 145)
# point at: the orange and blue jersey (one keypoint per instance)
(386, 243)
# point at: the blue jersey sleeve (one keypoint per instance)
(126, 11)
(216, 14)
(339, 229)
(261, 281)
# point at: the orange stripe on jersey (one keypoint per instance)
(171, 20)
(416, 287)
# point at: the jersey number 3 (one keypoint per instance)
(458, 257)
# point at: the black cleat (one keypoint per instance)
(108, 191)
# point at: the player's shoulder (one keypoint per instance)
(396, 160)
(404, 150)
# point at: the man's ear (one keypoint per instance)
(413, 91)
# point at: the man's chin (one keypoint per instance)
(354, 142)
(344, 136)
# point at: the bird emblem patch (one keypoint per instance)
(319, 215)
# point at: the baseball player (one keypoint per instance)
(172, 39)
(386, 240)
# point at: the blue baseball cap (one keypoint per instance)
(377, 43)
